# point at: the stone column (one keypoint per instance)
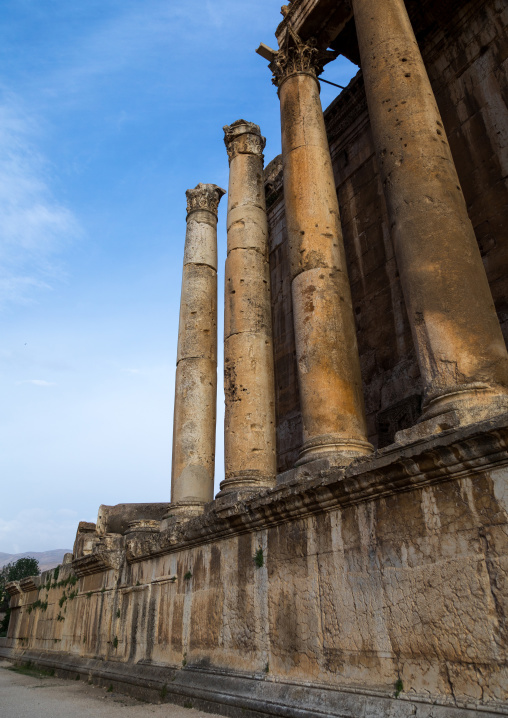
(329, 376)
(196, 370)
(249, 426)
(461, 351)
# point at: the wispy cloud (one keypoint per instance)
(183, 32)
(34, 225)
(37, 382)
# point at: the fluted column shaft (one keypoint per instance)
(461, 351)
(249, 425)
(329, 375)
(196, 373)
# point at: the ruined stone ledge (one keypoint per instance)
(235, 694)
(95, 563)
(395, 469)
(13, 588)
(29, 584)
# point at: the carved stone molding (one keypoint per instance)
(28, 584)
(204, 197)
(243, 138)
(13, 588)
(88, 565)
(143, 525)
(297, 56)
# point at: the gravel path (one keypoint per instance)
(26, 696)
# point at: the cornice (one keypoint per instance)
(396, 469)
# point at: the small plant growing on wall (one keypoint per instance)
(118, 613)
(399, 687)
(63, 599)
(115, 642)
(188, 576)
(259, 559)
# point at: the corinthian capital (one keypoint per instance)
(204, 197)
(243, 138)
(296, 56)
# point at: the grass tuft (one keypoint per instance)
(259, 559)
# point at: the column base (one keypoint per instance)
(245, 484)
(339, 451)
(183, 510)
(470, 404)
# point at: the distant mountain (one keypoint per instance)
(46, 559)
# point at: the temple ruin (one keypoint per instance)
(354, 562)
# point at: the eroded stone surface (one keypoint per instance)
(459, 343)
(196, 372)
(392, 569)
(464, 52)
(249, 422)
(329, 379)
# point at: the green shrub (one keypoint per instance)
(259, 559)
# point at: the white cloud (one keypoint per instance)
(34, 225)
(37, 382)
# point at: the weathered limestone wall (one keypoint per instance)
(392, 570)
(287, 399)
(466, 55)
(465, 52)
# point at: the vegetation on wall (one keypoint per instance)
(22, 568)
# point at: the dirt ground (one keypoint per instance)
(29, 694)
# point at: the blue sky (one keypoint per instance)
(109, 111)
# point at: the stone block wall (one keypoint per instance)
(392, 572)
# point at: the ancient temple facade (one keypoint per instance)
(354, 562)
